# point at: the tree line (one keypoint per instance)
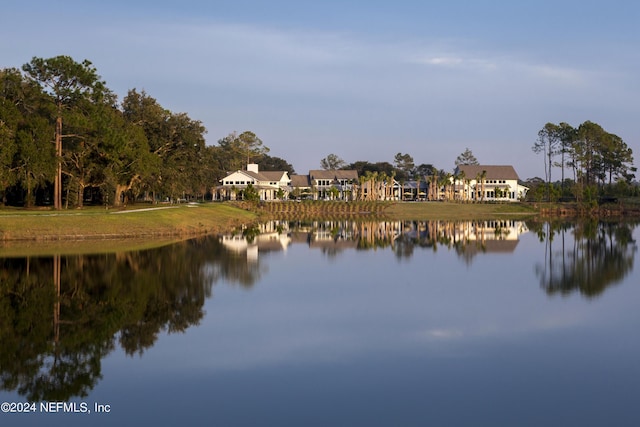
(65, 140)
(598, 163)
(594, 165)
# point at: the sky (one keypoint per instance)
(360, 79)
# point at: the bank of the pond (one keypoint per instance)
(621, 209)
(390, 210)
(177, 221)
(316, 209)
(439, 210)
(190, 220)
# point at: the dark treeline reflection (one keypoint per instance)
(586, 256)
(59, 316)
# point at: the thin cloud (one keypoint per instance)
(445, 61)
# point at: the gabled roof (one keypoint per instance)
(262, 176)
(241, 172)
(300, 181)
(333, 174)
(493, 171)
(253, 175)
(272, 175)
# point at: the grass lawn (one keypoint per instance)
(457, 211)
(138, 222)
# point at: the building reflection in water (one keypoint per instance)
(62, 315)
(468, 238)
(272, 236)
(582, 256)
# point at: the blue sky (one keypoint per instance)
(361, 79)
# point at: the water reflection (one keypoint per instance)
(590, 256)
(467, 238)
(60, 316)
(586, 257)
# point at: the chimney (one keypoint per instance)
(252, 167)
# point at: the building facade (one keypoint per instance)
(478, 183)
(488, 183)
(271, 185)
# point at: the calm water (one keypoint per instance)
(373, 324)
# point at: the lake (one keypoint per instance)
(346, 323)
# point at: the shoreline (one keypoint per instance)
(177, 222)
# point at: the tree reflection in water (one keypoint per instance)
(60, 316)
(587, 256)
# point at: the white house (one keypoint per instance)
(320, 184)
(268, 183)
(488, 183)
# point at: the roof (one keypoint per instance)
(412, 184)
(262, 176)
(272, 175)
(300, 181)
(333, 174)
(493, 171)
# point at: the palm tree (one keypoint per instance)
(461, 177)
(369, 182)
(467, 186)
(392, 180)
(442, 183)
(334, 192)
(362, 179)
(366, 190)
(480, 178)
(433, 187)
(374, 186)
(382, 185)
(402, 189)
(450, 186)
